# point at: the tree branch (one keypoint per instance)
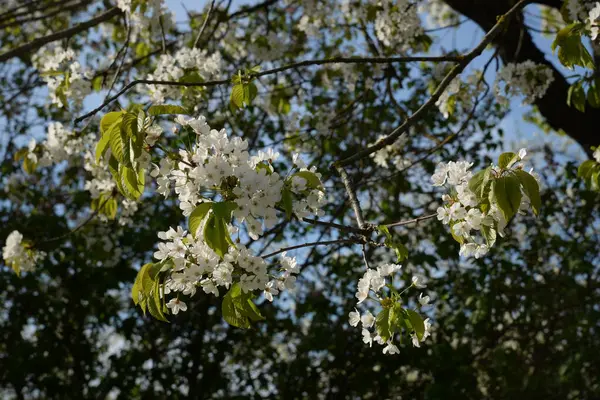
(305, 63)
(454, 72)
(310, 244)
(35, 44)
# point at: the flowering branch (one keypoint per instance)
(454, 72)
(310, 244)
(66, 33)
(411, 221)
(305, 63)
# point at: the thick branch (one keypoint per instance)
(515, 44)
(35, 44)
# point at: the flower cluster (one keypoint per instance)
(221, 188)
(18, 255)
(468, 213)
(392, 318)
(397, 24)
(219, 165)
(593, 21)
(66, 78)
(193, 65)
(580, 9)
(527, 79)
(391, 153)
(192, 264)
(460, 92)
(60, 144)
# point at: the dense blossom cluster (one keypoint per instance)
(527, 79)
(397, 24)
(460, 92)
(18, 255)
(60, 144)
(373, 283)
(582, 9)
(194, 264)
(187, 64)
(469, 221)
(155, 19)
(219, 165)
(66, 78)
(438, 13)
(392, 154)
(593, 21)
(220, 170)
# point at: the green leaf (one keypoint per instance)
(489, 234)
(109, 119)
(197, 216)
(113, 167)
(29, 166)
(167, 109)
(531, 188)
(479, 182)
(593, 94)
(576, 97)
(102, 146)
(154, 303)
(232, 314)
(224, 209)
(97, 83)
(312, 180)
(237, 96)
(287, 202)
(506, 160)
(137, 290)
(586, 171)
(119, 144)
(216, 235)
(571, 50)
(507, 192)
(250, 92)
(133, 182)
(385, 323)
(416, 322)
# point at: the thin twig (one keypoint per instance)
(454, 72)
(310, 244)
(411, 221)
(352, 196)
(305, 63)
(197, 41)
(35, 44)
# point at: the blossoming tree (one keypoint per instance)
(282, 149)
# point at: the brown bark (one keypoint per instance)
(515, 44)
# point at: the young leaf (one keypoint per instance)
(531, 189)
(506, 160)
(489, 234)
(287, 202)
(130, 181)
(109, 119)
(167, 109)
(479, 181)
(137, 289)
(312, 180)
(385, 323)
(197, 216)
(507, 192)
(237, 96)
(216, 235)
(119, 144)
(231, 313)
(416, 322)
(155, 304)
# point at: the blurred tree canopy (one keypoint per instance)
(520, 322)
